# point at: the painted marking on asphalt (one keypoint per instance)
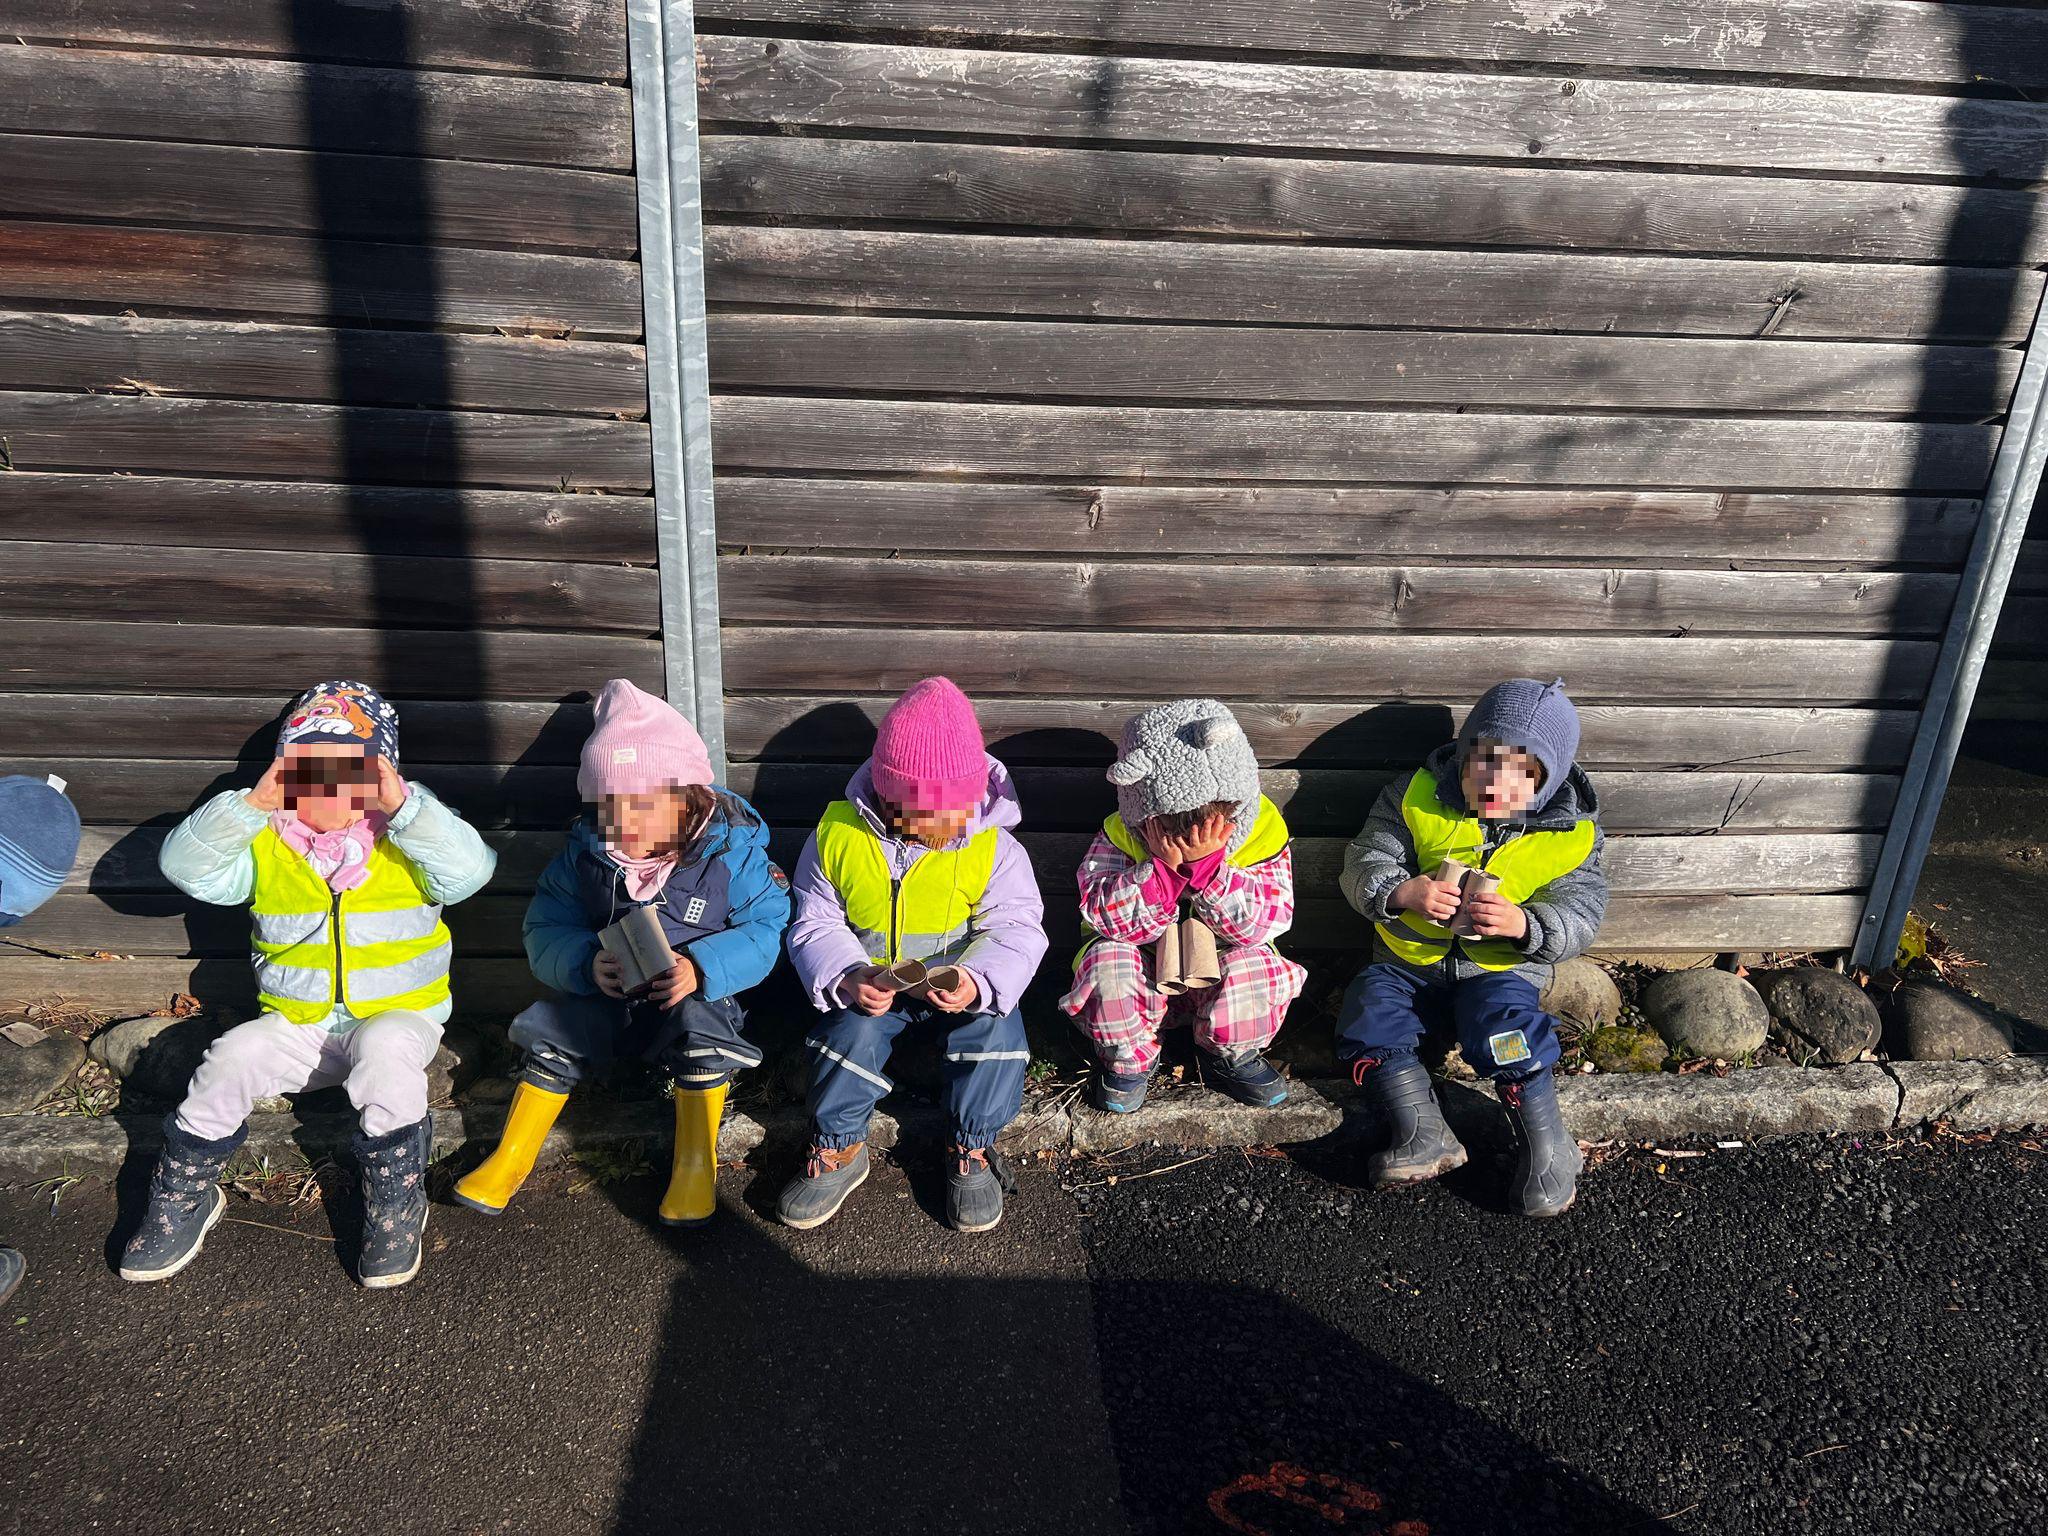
(1336, 1499)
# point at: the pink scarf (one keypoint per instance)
(646, 877)
(340, 858)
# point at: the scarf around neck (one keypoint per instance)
(341, 858)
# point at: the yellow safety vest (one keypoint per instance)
(924, 916)
(380, 946)
(1524, 865)
(1268, 839)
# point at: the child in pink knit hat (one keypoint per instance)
(915, 875)
(660, 835)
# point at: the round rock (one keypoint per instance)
(1931, 1021)
(1707, 1012)
(1821, 1016)
(1613, 1049)
(1579, 990)
(29, 1072)
(155, 1058)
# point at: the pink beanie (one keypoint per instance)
(928, 753)
(639, 744)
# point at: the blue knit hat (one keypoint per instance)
(38, 842)
(1538, 718)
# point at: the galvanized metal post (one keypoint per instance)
(2015, 483)
(661, 42)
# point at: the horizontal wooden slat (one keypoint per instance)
(324, 442)
(314, 106)
(547, 37)
(1341, 666)
(1306, 522)
(491, 989)
(1156, 362)
(1025, 730)
(43, 581)
(1395, 203)
(337, 196)
(283, 278)
(1326, 599)
(146, 923)
(83, 655)
(1650, 924)
(1340, 285)
(872, 436)
(914, 90)
(120, 354)
(1847, 39)
(356, 519)
(114, 860)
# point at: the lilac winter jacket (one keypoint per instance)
(1008, 927)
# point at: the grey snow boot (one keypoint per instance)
(185, 1203)
(1547, 1159)
(977, 1178)
(394, 1168)
(814, 1196)
(1420, 1145)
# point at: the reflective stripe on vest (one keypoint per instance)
(390, 948)
(1268, 840)
(929, 914)
(1524, 865)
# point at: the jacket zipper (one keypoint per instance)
(334, 924)
(895, 914)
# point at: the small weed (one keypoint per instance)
(58, 1188)
(610, 1165)
(1040, 1072)
(258, 1177)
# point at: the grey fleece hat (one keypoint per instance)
(1538, 718)
(1182, 756)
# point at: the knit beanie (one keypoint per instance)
(1538, 718)
(929, 752)
(639, 744)
(1182, 756)
(344, 713)
(38, 842)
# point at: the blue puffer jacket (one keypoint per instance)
(724, 907)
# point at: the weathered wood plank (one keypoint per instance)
(323, 442)
(337, 196)
(1436, 448)
(223, 728)
(1599, 669)
(280, 278)
(1382, 202)
(893, 88)
(492, 988)
(264, 587)
(1326, 599)
(121, 354)
(1020, 359)
(1342, 285)
(74, 656)
(546, 37)
(407, 111)
(156, 924)
(1648, 924)
(353, 519)
(117, 859)
(1876, 40)
(1305, 522)
(1390, 735)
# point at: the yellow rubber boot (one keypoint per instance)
(692, 1197)
(494, 1181)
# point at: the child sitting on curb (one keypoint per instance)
(1193, 848)
(346, 867)
(1505, 800)
(663, 836)
(917, 863)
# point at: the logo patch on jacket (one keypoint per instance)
(775, 873)
(694, 912)
(1508, 1046)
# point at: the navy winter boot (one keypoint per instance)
(1421, 1145)
(1245, 1077)
(1120, 1093)
(394, 1169)
(1547, 1159)
(977, 1178)
(814, 1196)
(185, 1203)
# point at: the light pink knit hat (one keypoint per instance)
(638, 745)
(928, 752)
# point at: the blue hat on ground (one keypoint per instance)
(1538, 718)
(38, 844)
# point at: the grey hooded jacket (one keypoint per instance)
(1561, 924)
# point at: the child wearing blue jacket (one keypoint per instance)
(664, 836)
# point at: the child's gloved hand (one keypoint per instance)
(959, 1000)
(673, 984)
(268, 795)
(1492, 916)
(1434, 899)
(609, 972)
(859, 984)
(390, 787)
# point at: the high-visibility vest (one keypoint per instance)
(1524, 866)
(1268, 840)
(380, 946)
(927, 914)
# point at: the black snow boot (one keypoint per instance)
(1420, 1145)
(394, 1169)
(1547, 1160)
(977, 1178)
(185, 1203)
